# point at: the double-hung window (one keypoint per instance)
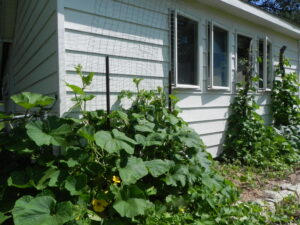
(218, 57)
(184, 50)
(265, 64)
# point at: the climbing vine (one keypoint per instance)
(285, 99)
(248, 140)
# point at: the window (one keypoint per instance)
(184, 50)
(244, 57)
(261, 63)
(4, 53)
(265, 64)
(218, 57)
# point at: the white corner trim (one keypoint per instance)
(62, 91)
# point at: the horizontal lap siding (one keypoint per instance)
(134, 33)
(135, 38)
(34, 61)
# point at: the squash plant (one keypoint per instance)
(148, 168)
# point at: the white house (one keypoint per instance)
(202, 41)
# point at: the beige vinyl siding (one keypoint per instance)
(34, 58)
(135, 34)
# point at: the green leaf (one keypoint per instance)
(29, 100)
(2, 126)
(87, 80)
(144, 126)
(3, 218)
(41, 210)
(158, 167)
(87, 132)
(76, 185)
(121, 136)
(44, 180)
(86, 97)
(102, 138)
(179, 175)
(75, 89)
(114, 144)
(133, 171)
(55, 134)
(190, 139)
(132, 207)
(35, 132)
(19, 179)
(172, 119)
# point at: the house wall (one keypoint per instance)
(135, 34)
(33, 62)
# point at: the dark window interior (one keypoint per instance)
(220, 59)
(243, 56)
(187, 55)
(261, 62)
(5, 52)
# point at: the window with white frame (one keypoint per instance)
(184, 50)
(265, 63)
(244, 57)
(218, 57)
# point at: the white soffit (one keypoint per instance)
(255, 15)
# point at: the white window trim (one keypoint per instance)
(211, 69)
(197, 20)
(248, 35)
(266, 40)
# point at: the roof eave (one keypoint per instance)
(255, 15)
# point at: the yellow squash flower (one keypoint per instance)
(116, 179)
(99, 205)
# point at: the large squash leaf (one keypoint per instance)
(41, 210)
(158, 167)
(132, 207)
(134, 170)
(29, 100)
(114, 143)
(54, 132)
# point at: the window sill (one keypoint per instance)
(264, 90)
(218, 89)
(184, 86)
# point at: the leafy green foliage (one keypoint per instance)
(292, 134)
(287, 211)
(285, 100)
(150, 167)
(250, 141)
(284, 8)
